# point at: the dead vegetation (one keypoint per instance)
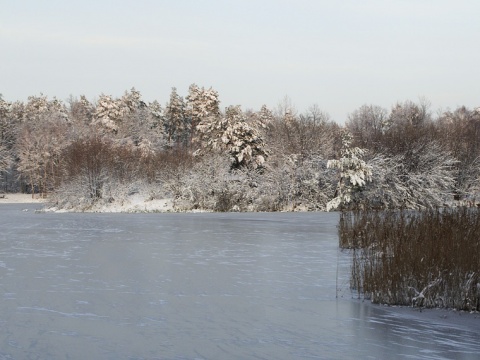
(427, 258)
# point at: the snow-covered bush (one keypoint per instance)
(424, 177)
(209, 185)
(93, 166)
(290, 184)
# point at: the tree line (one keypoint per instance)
(80, 154)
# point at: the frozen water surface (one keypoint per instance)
(199, 286)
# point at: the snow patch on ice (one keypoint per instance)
(135, 203)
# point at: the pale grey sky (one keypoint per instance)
(337, 54)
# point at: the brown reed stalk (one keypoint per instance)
(428, 258)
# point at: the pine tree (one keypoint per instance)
(201, 104)
(108, 113)
(233, 135)
(354, 173)
(175, 125)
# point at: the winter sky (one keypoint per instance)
(336, 54)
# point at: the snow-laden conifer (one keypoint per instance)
(230, 133)
(107, 113)
(354, 173)
(175, 122)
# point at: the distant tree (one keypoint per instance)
(263, 118)
(156, 118)
(154, 129)
(39, 150)
(81, 111)
(354, 173)
(459, 132)
(409, 113)
(131, 101)
(302, 136)
(35, 109)
(108, 113)
(5, 160)
(134, 125)
(201, 104)
(39, 109)
(39, 142)
(315, 116)
(285, 110)
(367, 125)
(7, 124)
(175, 122)
(31, 161)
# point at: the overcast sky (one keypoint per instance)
(337, 54)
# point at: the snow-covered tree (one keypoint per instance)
(35, 108)
(233, 135)
(108, 113)
(115, 115)
(315, 116)
(39, 109)
(30, 156)
(353, 171)
(367, 124)
(81, 111)
(7, 123)
(156, 118)
(286, 111)
(408, 113)
(5, 159)
(459, 132)
(39, 141)
(263, 118)
(201, 104)
(154, 128)
(175, 124)
(131, 101)
(39, 150)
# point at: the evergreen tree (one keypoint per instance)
(233, 135)
(201, 104)
(354, 173)
(108, 113)
(175, 125)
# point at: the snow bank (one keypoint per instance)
(137, 203)
(19, 199)
(131, 204)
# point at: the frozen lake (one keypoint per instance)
(199, 286)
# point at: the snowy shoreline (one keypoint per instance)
(17, 198)
(131, 204)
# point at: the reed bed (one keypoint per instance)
(428, 258)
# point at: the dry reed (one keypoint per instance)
(428, 258)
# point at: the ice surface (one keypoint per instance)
(203, 286)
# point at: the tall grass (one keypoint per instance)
(429, 258)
